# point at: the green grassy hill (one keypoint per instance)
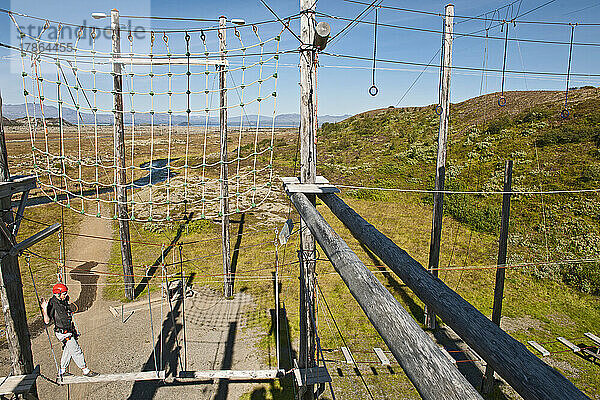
(396, 148)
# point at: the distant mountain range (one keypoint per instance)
(17, 111)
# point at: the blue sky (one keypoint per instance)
(343, 84)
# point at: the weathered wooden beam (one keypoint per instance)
(11, 284)
(232, 375)
(347, 355)
(121, 167)
(311, 376)
(30, 241)
(526, 373)
(429, 370)
(128, 376)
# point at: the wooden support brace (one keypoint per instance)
(30, 241)
(568, 344)
(539, 347)
(20, 211)
(311, 376)
(130, 376)
(6, 233)
(347, 355)
(382, 357)
(19, 384)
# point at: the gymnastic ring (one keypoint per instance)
(438, 109)
(564, 114)
(501, 101)
(373, 90)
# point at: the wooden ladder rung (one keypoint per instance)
(567, 343)
(539, 347)
(381, 355)
(347, 355)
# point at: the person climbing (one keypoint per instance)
(58, 310)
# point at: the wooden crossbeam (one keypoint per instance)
(129, 376)
(381, 355)
(246, 375)
(347, 355)
(539, 348)
(18, 384)
(569, 344)
(17, 185)
(311, 376)
(321, 185)
(592, 337)
(30, 241)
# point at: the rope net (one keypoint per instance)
(171, 107)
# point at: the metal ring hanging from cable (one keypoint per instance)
(373, 89)
(565, 112)
(502, 98)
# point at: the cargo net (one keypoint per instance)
(171, 107)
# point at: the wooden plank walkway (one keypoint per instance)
(381, 355)
(539, 347)
(129, 376)
(569, 344)
(347, 355)
(232, 375)
(18, 384)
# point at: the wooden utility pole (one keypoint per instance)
(488, 383)
(119, 142)
(531, 377)
(431, 372)
(11, 285)
(440, 169)
(308, 173)
(227, 277)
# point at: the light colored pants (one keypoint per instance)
(70, 351)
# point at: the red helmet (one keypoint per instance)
(59, 288)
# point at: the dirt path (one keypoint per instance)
(218, 336)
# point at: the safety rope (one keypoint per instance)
(565, 112)
(502, 98)
(373, 89)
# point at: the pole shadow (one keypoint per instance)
(223, 388)
(154, 267)
(89, 288)
(236, 248)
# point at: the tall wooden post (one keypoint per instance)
(11, 286)
(119, 140)
(440, 170)
(308, 172)
(488, 383)
(227, 278)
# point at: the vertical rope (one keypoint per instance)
(152, 327)
(188, 111)
(60, 124)
(373, 89)
(260, 82)
(152, 118)
(170, 112)
(206, 120)
(275, 75)
(242, 112)
(183, 306)
(132, 112)
(565, 112)
(502, 98)
(77, 107)
(95, 111)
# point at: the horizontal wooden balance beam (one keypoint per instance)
(18, 384)
(321, 185)
(128, 376)
(232, 375)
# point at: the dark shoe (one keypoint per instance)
(91, 374)
(64, 374)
